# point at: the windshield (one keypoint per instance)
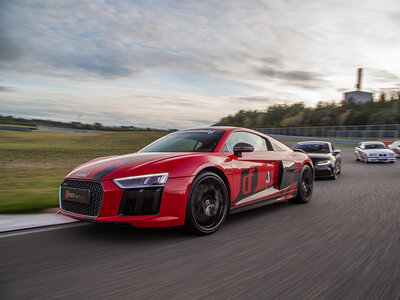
(201, 140)
(314, 148)
(375, 146)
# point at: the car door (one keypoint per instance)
(255, 174)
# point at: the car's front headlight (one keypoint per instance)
(142, 181)
(323, 162)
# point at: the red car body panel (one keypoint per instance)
(250, 179)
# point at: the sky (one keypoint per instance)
(180, 64)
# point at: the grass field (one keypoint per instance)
(33, 164)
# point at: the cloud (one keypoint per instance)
(383, 76)
(305, 79)
(6, 89)
(179, 63)
(9, 50)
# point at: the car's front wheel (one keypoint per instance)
(336, 170)
(208, 204)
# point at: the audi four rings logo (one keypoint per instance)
(82, 174)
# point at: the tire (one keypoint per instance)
(339, 171)
(207, 205)
(336, 171)
(334, 176)
(305, 186)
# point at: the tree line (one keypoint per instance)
(10, 120)
(381, 111)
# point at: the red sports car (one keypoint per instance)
(191, 178)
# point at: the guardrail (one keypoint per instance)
(340, 142)
(391, 131)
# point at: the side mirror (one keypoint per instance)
(239, 148)
(336, 151)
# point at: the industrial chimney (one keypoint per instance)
(358, 96)
(359, 78)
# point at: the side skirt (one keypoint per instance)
(261, 203)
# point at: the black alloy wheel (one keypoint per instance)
(208, 204)
(335, 171)
(339, 167)
(305, 186)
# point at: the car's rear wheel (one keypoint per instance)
(305, 186)
(208, 204)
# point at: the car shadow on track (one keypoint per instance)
(128, 234)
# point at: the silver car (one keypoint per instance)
(395, 147)
(374, 152)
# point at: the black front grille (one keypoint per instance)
(322, 173)
(96, 197)
(140, 202)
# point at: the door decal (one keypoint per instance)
(268, 177)
(248, 183)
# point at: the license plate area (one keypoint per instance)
(75, 195)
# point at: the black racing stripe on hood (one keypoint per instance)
(129, 160)
(100, 175)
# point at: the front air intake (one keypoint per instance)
(140, 202)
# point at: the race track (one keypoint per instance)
(344, 244)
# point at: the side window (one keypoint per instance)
(256, 141)
(276, 146)
(359, 145)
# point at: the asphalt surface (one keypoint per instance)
(344, 244)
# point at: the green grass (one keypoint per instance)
(33, 164)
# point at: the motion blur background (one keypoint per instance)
(83, 79)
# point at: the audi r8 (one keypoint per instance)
(374, 152)
(326, 159)
(192, 178)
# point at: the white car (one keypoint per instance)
(395, 147)
(374, 152)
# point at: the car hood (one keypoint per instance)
(320, 156)
(378, 151)
(105, 168)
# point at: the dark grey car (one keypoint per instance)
(326, 159)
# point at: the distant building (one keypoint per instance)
(358, 96)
